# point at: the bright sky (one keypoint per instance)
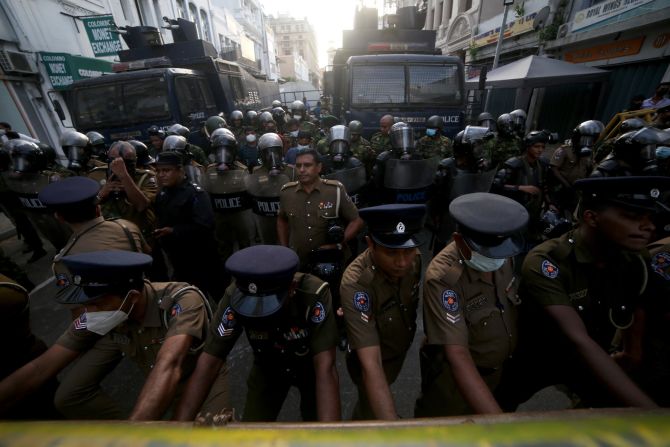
(328, 18)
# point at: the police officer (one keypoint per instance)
(74, 202)
(156, 138)
(434, 144)
(160, 326)
(580, 289)
(323, 144)
(485, 119)
(605, 148)
(573, 162)
(341, 165)
(524, 179)
(197, 153)
(380, 295)
(34, 167)
(211, 124)
(315, 214)
(248, 153)
(98, 148)
(299, 113)
(77, 149)
(225, 181)
(237, 125)
(470, 304)
(634, 153)
(194, 171)
(129, 191)
(264, 186)
(381, 141)
(251, 120)
(360, 147)
(185, 226)
(279, 116)
(144, 158)
(506, 143)
(519, 121)
(263, 120)
(290, 324)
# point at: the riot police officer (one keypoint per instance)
(634, 153)
(251, 120)
(299, 112)
(197, 153)
(263, 119)
(98, 148)
(434, 144)
(77, 149)
(519, 120)
(156, 138)
(211, 124)
(264, 185)
(360, 147)
(322, 142)
(279, 116)
(572, 162)
(144, 158)
(400, 175)
(506, 144)
(237, 125)
(605, 148)
(32, 169)
(225, 181)
(340, 164)
(485, 119)
(194, 170)
(381, 141)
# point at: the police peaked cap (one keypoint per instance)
(633, 192)
(263, 275)
(99, 273)
(490, 223)
(169, 158)
(69, 192)
(394, 225)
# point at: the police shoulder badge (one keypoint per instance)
(318, 313)
(450, 301)
(80, 322)
(176, 310)
(228, 322)
(362, 301)
(62, 280)
(549, 270)
(660, 263)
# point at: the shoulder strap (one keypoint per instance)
(129, 236)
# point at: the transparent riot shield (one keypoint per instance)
(409, 174)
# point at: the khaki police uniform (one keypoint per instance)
(309, 215)
(122, 208)
(462, 308)
(569, 165)
(378, 312)
(434, 147)
(171, 309)
(283, 346)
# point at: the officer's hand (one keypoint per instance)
(530, 189)
(160, 232)
(329, 247)
(118, 167)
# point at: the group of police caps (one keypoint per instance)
(544, 272)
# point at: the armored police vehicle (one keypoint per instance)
(155, 84)
(395, 70)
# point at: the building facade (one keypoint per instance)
(296, 41)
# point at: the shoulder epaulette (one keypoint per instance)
(288, 185)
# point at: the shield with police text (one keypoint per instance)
(264, 192)
(353, 179)
(228, 190)
(409, 174)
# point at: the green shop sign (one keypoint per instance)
(63, 69)
(103, 41)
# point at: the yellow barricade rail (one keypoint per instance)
(612, 427)
(612, 128)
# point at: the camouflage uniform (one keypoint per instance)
(501, 149)
(361, 149)
(434, 147)
(306, 126)
(198, 154)
(322, 146)
(604, 149)
(380, 143)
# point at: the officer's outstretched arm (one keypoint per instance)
(34, 374)
(198, 386)
(327, 386)
(374, 381)
(161, 385)
(606, 370)
(470, 383)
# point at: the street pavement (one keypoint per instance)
(49, 320)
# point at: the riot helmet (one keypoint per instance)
(236, 117)
(631, 124)
(553, 224)
(26, 156)
(50, 154)
(402, 140)
(157, 132)
(519, 120)
(224, 145)
(584, 137)
(264, 117)
(470, 141)
(251, 117)
(298, 109)
(144, 158)
(213, 123)
(355, 130)
(339, 140)
(434, 125)
(75, 146)
(178, 129)
(505, 125)
(534, 137)
(97, 141)
(276, 103)
(485, 119)
(271, 147)
(175, 143)
(638, 148)
(278, 114)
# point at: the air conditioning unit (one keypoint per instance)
(563, 30)
(15, 62)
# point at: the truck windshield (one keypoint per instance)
(140, 100)
(399, 84)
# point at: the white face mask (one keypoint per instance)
(293, 134)
(103, 322)
(251, 138)
(303, 146)
(298, 117)
(483, 264)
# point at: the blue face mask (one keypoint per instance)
(483, 264)
(431, 132)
